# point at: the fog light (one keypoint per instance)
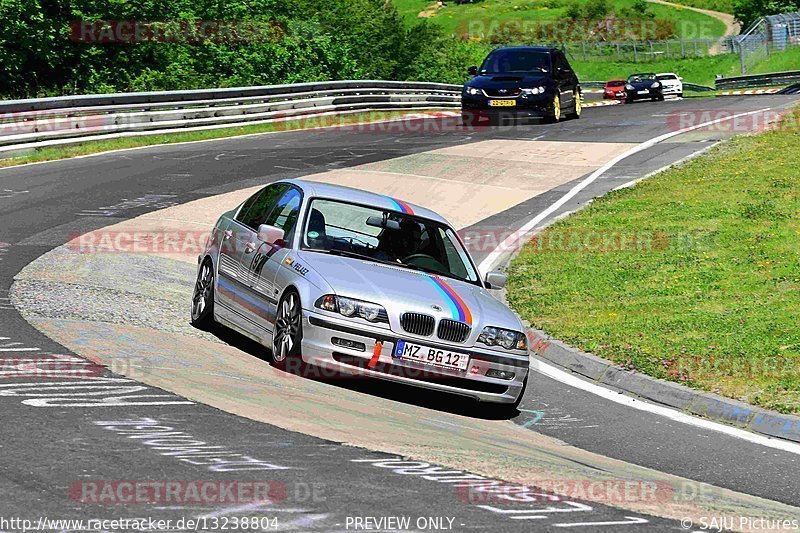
(353, 345)
(500, 374)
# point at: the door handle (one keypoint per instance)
(250, 247)
(228, 234)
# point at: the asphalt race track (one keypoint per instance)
(63, 435)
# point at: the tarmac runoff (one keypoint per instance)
(129, 311)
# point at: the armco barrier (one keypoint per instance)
(774, 79)
(35, 123)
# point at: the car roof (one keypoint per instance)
(349, 194)
(618, 80)
(526, 48)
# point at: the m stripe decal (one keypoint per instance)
(458, 308)
(401, 206)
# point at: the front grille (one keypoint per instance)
(500, 93)
(453, 331)
(417, 324)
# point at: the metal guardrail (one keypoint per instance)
(774, 79)
(36, 123)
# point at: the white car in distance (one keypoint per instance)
(673, 84)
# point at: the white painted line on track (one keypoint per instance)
(571, 380)
(678, 416)
(512, 239)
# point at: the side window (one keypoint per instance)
(566, 64)
(263, 205)
(559, 61)
(284, 215)
(240, 216)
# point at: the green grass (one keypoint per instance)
(700, 70)
(94, 147)
(723, 6)
(460, 19)
(706, 289)
(697, 70)
(777, 62)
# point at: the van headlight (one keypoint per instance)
(505, 338)
(350, 307)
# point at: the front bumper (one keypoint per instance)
(531, 106)
(672, 90)
(651, 93)
(318, 349)
(614, 95)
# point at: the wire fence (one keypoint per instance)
(642, 51)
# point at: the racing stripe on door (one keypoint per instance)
(458, 308)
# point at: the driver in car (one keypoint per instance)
(396, 245)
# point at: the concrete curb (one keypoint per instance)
(705, 404)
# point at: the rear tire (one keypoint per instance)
(203, 297)
(287, 335)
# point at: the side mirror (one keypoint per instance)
(269, 234)
(680, 78)
(496, 280)
(472, 71)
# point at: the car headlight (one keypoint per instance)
(472, 91)
(533, 90)
(630, 87)
(350, 307)
(506, 338)
(655, 85)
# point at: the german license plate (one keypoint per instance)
(431, 356)
(502, 103)
(643, 92)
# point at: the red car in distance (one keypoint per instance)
(615, 90)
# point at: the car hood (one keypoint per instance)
(509, 81)
(642, 84)
(402, 290)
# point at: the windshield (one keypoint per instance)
(668, 77)
(383, 236)
(616, 83)
(641, 77)
(508, 61)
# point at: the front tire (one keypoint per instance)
(577, 105)
(203, 297)
(554, 114)
(288, 331)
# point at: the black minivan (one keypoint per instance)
(521, 82)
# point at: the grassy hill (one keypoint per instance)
(465, 19)
(700, 70)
